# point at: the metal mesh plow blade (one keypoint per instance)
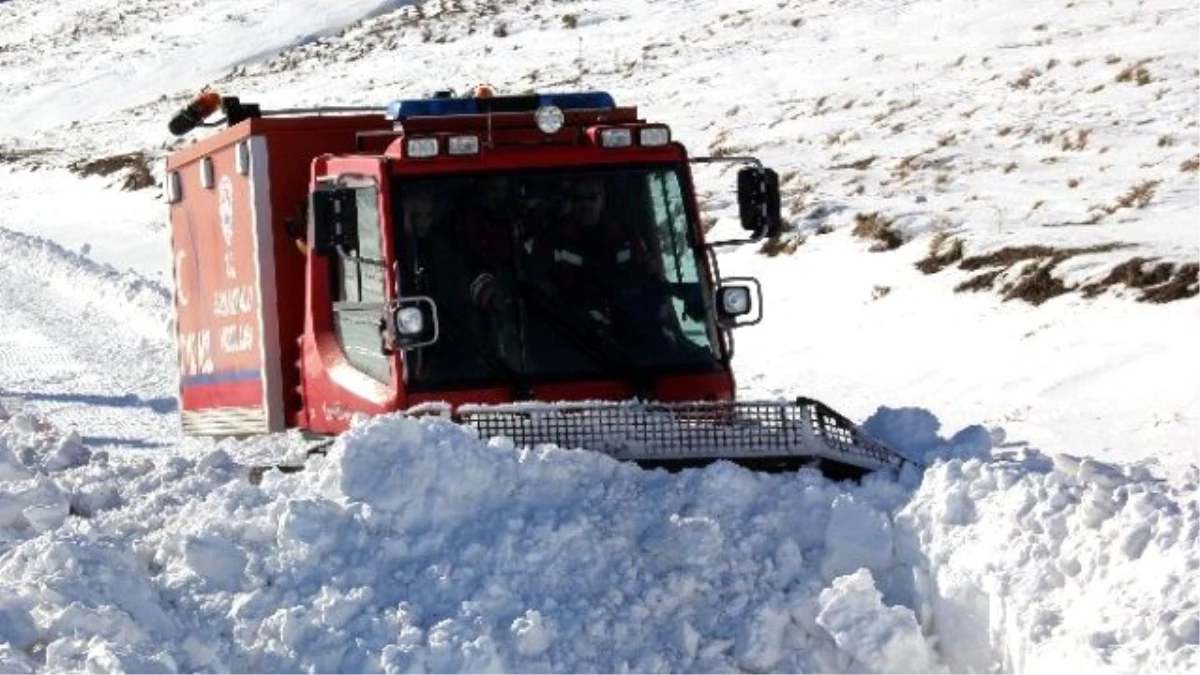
(695, 431)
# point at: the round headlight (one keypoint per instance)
(735, 301)
(410, 321)
(549, 118)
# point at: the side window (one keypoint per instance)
(678, 261)
(359, 289)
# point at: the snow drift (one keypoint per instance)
(417, 546)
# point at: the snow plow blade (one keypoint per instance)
(765, 436)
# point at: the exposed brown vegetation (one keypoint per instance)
(1190, 165)
(979, 282)
(1185, 283)
(1160, 282)
(943, 252)
(1079, 142)
(1036, 282)
(1009, 255)
(780, 243)
(874, 227)
(893, 108)
(858, 164)
(1025, 79)
(1035, 285)
(135, 164)
(1136, 72)
(1138, 196)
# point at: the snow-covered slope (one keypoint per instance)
(1057, 530)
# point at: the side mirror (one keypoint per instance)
(412, 322)
(334, 221)
(758, 201)
(739, 303)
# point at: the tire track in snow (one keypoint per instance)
(85, 345)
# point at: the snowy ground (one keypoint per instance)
(1055, 529)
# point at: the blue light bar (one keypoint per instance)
(436, 107)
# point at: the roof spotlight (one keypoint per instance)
(549, 118)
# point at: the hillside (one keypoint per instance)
(990, 260)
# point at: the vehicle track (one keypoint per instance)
(85, 346)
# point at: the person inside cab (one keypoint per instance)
(432, 262)
(434, 268)
(599, 268)
(485, 226)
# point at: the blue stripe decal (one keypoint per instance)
(221, 378)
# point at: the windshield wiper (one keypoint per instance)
(599, 349)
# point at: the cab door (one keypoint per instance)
(348, 367)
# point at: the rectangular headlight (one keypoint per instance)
(418, 148)
(654, 136)
(617, 137)
(462, 145)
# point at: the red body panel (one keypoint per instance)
(294, 373)
(258, 388)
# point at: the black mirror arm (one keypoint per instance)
(742, 159)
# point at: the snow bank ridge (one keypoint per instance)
(416, 545)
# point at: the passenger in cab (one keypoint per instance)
(485, 229)
(594, 264)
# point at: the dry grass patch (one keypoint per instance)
(1160, 282)
(979, 282)
(1138, 196)
(1079, 142)
(1136, 73)
(1025, 79)
(943, 252)
(895, 107)
(878, 229)
(1035, 283)
(858, 164)
(1190, 165)
(781, 243)
(135, 165)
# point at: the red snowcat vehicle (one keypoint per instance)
(533, 266)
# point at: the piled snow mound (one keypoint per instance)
(30, 502)
(416, 546)
(1056, 566)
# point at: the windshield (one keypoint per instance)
(555, 275)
